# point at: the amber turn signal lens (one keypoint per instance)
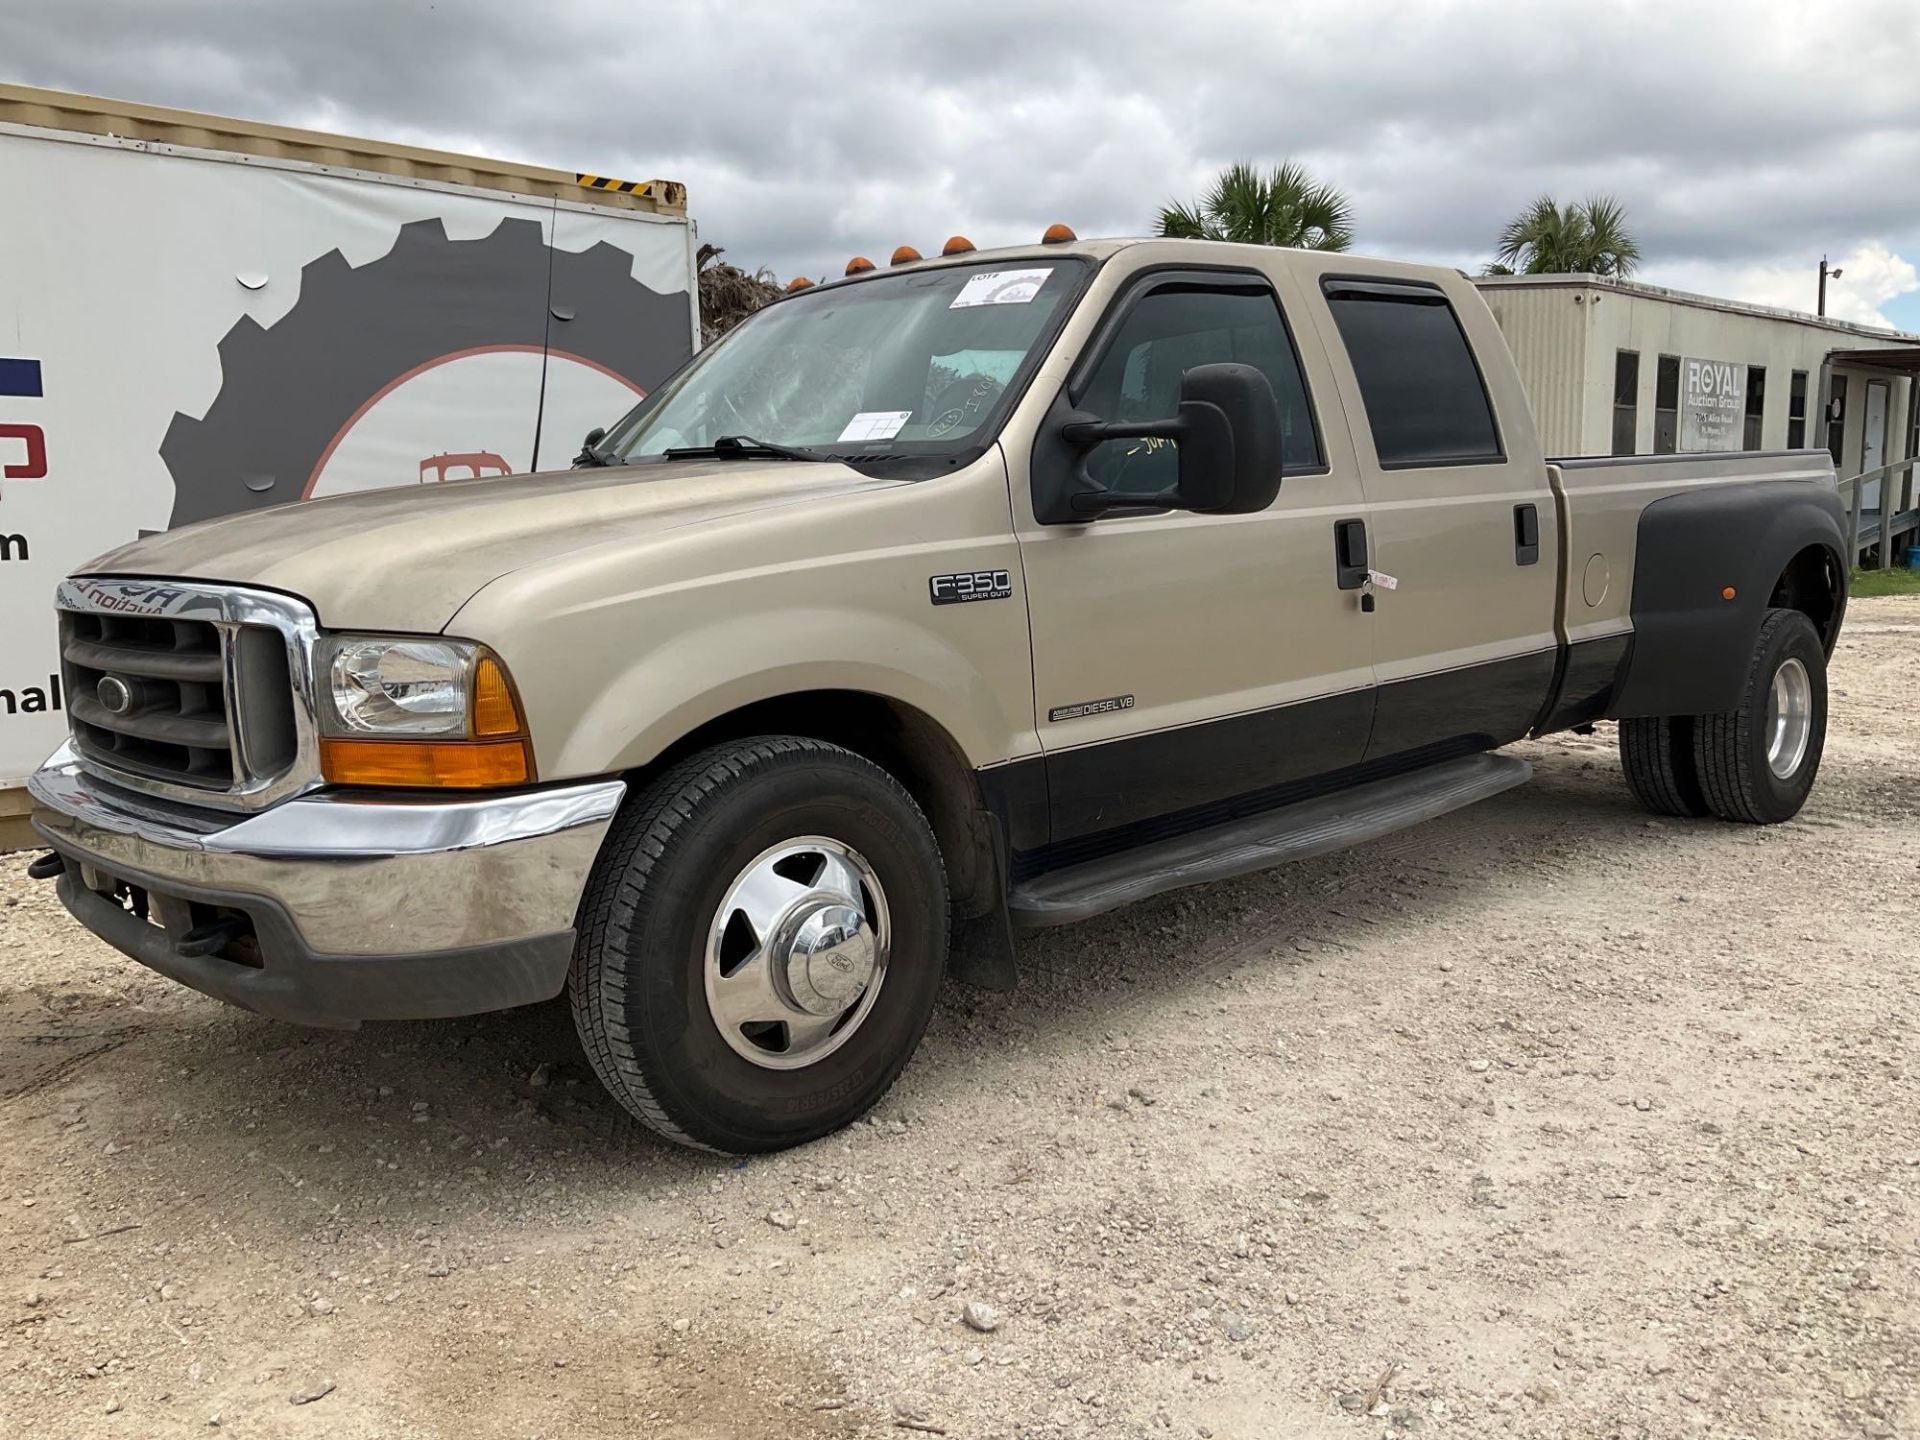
(494, 712)
(859, 265)
(799, 282)
(1058, 235)
(427, 764)
(957, 245)
(905, 255)
(1728, 593)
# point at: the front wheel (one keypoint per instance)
(1757, 762)
(761, 945)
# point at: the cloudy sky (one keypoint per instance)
(1745, 139)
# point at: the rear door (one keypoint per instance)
(1181, 659)
(1460, 514)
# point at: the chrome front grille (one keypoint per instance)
(150, 696)
(195, 692)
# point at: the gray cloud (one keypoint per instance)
(1738, 136)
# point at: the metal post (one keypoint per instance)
(1888, 509)
(1906, 500)
(1823, 286)
(1853, 524)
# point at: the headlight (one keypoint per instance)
(419, 712)
(400, 687)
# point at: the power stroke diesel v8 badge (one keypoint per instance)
(970, 585)
(1091, 707)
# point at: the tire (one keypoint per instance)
(289, 391)
(1656, 754)
(651, 926)
(1751, 769)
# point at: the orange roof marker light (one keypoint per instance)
(859, 265)
(957, 245)
(1058, 235)
(905, 255)
(799, 282)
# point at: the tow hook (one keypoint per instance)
(210, 939)
(45, 867)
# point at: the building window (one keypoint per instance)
(1837, 417)
(1626, 401)
(1797, 411)
(1666, 406)
(1756, 406)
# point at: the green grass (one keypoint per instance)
(1886, 582)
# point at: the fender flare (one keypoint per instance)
(1691, 643)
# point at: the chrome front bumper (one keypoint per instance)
(364, 908)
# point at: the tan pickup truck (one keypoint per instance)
(951, 597)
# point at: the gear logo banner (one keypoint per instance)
(269, 333)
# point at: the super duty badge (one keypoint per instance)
(970, 585)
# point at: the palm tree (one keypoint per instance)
(1285, 207)
(1588, 237)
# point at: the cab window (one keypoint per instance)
(1167, 333)
(1426, 403)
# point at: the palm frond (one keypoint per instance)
(1588, 237)
(1284, 206)
(1182, 222)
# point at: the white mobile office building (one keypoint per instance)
(1614, 367)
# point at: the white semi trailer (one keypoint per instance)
(200, 316)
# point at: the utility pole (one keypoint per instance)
(1824, 274)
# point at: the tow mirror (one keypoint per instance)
(1228, 436)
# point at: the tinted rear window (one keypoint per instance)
(1425, 401)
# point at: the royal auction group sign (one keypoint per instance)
(1713, 405)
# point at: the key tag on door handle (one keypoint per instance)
(1382, 580)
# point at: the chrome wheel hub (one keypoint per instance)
(797, 952)
(1789, 718)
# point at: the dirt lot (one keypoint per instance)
(1546, 1119)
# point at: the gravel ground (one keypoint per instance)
(1544, 1119)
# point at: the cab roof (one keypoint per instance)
(1212, 252)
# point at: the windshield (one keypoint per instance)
(922, 363)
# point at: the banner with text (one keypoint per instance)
(185, 337)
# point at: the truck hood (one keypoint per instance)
(409, 557)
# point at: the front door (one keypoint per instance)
(1181, 659)
(1873, 439)
(1460, 511)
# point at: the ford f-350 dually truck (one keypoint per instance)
(951, 597)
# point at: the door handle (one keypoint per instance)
(1350, 553)
(1526, 535)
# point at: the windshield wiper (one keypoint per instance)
(743, 446)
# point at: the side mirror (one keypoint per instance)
(1241, 475)
(587, 455)
(1228, 436)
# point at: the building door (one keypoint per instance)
(1873, 438)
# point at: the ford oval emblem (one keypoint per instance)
(114, 695)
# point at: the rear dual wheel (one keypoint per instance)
(761, 945)
(1757, 762)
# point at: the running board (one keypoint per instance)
(1257, 842)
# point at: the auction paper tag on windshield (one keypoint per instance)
(875, 425)
(1000, 287)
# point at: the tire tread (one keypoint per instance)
(1724, 746)
(1656, 755)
